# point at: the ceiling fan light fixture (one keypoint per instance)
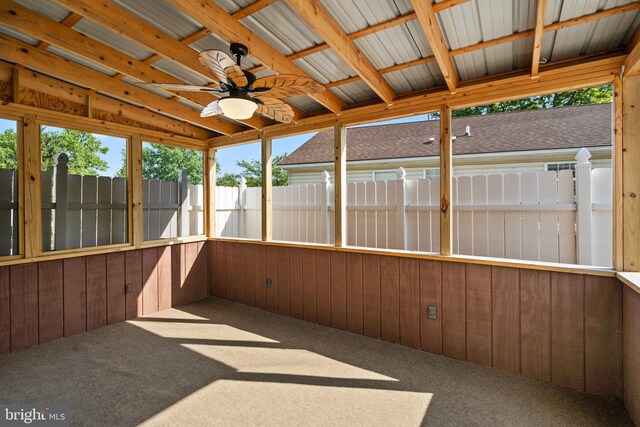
(237, 108)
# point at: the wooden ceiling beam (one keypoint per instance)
(632, 63)
(429, 23)
(538, 32)
(316, 16)
(252, 8)
(570, 75)
(226, 26)
(505, 39)
(31, 57)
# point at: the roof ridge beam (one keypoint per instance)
(220, 22)
(429, 23)
(316, 16)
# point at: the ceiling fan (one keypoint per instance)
(246, 93)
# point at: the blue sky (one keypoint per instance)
(227, 157)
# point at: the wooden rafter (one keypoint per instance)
(572, 74)
(384, 25)
(632, 63)
(506, 39)
(538, 32)
(312, 12)
(217, 20)
(429, 23)
(37, 59)
(252, 8)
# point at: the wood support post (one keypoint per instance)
(617, 174)
(210, 192)
(446, 219)
(135, 190)
(340, 186)
(267, 171)
(631, 173)
(31, 185)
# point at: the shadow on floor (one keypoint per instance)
(220, 363)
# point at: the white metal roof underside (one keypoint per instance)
(462, 25)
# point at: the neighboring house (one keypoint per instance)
(534, 140)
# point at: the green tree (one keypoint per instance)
(83, 148)
(8, 150)
(165, 163)
(252, 172)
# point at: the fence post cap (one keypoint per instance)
(243, 180)
(583, 155)
(325, 176)
(401, 173)
(62, 159)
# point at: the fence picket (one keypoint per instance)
(480, 217)
(411, 193)
(602, 220)
(119, 231)
(381, 216)
(46, 184)
(369, 199)
(566, 219)
(530, 220)
(104, 211)
(423, 233)
(7, 207)
(89, 214)
(434, 191)
(512, 224)
(74, 214)
(352, 219)
(495, 220)
(549, 250)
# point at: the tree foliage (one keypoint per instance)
(165, 163)
(252, 172)
(592, 95)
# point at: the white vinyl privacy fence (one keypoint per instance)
(539, 216)
(84, 211)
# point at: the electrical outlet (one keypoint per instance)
(128, 288)
(269, 283)
(432, 312)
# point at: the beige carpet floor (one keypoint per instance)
(218, 363)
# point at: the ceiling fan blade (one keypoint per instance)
(223, 67)
(212, 109)
(286, 85)
(177, 88)
(275, 109)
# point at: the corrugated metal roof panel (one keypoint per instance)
(163, 15)
(415, 78)
(160, 92)
(80, 60)
(493, 60)
(355, 93)
(393, 46)
(305, 103)
(231, 6)
(279, 26)
(325, 66)
(180, 72)
(354, 15)
(112, 39)
(19, 35)
(47, 8)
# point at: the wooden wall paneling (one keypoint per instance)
(535, 324)
(177, 275)
(212, 270)
(631, 351)
(238, 267)
(338, 290)
(505, 286)
(24, 306)
(164, 278)
(603, 336)
(133, 274)
(249, 275)
(430, 294)
(323, 287)
(116, 280)
(389, 299)
(283, 281)
(149, 280)
(295, 282)
(96, 291)
(203, 255)
(309, 285)
(260, 277)
(567, 336)
(191, 272)
(371, 295)
(409, 296)
(453, 310)
(221, 270)
(355, 310)
(478, 303)
(50, 301)
(75, 296)
(230, 271)
(271, 271)
(5, 311)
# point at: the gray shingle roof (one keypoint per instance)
(566, 127)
